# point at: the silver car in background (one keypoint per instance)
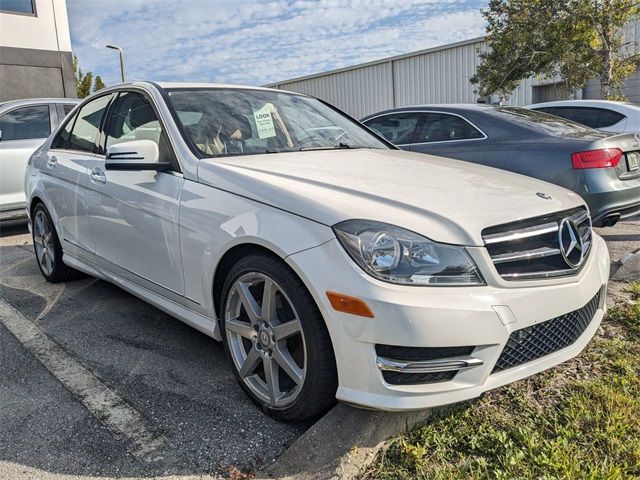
(24, 126)
(604, 115)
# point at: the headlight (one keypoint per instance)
(396, 255)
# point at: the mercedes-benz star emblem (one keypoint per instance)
(571, 243)
(544, 196)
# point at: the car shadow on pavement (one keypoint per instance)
(176, 378)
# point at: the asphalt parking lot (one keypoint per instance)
(173, 379)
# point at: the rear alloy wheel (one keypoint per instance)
(47, 248)
(276, 340)
(43, 242)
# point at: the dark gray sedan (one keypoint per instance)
(603, 169)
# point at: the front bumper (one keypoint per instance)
(411, 316)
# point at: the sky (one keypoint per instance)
(258, 42)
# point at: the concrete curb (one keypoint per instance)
(341, 444)
(629, 271)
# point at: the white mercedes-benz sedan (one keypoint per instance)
(329, 263)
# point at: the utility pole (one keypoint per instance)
(115, 47)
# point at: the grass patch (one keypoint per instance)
(634, 289)
(581, 420)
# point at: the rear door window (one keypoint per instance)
(82, 132)
(26, 123)
(444, 127)
(62, 138)
(398, 128)
(585, 116)
(67, 107)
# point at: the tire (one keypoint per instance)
(47, 248)
(261, 346)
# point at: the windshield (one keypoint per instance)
(223, 122)
(541, 121)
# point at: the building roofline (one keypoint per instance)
(438, 48)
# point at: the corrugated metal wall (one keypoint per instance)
(437, 75)
(357, 91)
(631, 85)
(440, 76)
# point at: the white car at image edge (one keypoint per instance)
(330, 264)
(24, 126)
(605, 115)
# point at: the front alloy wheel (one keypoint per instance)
(265, 339)
(276, 339)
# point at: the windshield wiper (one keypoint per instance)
(341, 145)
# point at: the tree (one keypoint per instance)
(571, 40)
(98, 84)
(85, 84)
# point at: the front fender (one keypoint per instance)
(213, 221)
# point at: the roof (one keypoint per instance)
(445, 107)
(206, 85)
(37, 101)
(585, 103)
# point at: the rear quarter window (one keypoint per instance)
(608, 118)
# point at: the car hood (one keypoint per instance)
(445, 200)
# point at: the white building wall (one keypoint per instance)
(48, 29)
(35, 53)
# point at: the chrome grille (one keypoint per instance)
(533, 248)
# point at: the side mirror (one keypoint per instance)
(134, 155)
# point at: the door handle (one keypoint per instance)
(98, 176)
(52, 162)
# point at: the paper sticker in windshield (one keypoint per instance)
(264, 123)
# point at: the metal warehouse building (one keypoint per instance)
(435, 75)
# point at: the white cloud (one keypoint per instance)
(256, 41)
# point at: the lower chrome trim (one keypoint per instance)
(428, 366)
(537, 275)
